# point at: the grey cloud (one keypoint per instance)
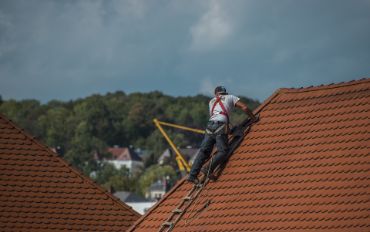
(69, 49)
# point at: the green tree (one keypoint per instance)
(55, 124)
(120, 180)
(96, 115)
(25, 113)
(83, 148)
(154, 173)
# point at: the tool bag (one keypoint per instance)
(216, 128)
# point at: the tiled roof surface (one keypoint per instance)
(40, 192)
(305, 166)
(124, 153)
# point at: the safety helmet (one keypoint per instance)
(220, 90)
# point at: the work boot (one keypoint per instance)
(203, 177)
(212, 177)
(193, 180)
(204, 170)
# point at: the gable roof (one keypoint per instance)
(39, 191)
(188, 154)
(303, 167)
(129, 197)
(123, 153)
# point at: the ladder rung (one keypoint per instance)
(177, 210)
(168, 224)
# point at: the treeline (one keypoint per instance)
(79, 128)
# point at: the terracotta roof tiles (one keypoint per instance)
(41, 192)
(305, 166)
(124, 153)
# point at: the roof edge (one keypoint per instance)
(267, 101)
(327, 86)
(68, 165)
(307, 89)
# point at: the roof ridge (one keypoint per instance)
(307, 89)
(325, 86)
(68, 165)
(267, 101)
(134, 156)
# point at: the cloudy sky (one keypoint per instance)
(54, 49)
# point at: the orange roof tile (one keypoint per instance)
(123, 153)
(305, 166)
(40, 192)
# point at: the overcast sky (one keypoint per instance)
(66, 49)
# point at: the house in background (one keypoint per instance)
(138, 203)
(158, 189)
(42, 192)
(168, 156)
(123, 156)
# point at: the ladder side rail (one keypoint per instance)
(182, 203)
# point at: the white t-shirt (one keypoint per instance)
(228, 101)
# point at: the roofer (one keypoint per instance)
(217, 132)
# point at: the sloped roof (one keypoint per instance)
(39, 191)
(124, 153)
(129, 197)
(305, 166)
(158, 186)
(188, 153)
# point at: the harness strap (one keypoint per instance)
(223, 112)
(216, 131)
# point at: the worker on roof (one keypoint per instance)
(217, 132)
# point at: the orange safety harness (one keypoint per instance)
(223, 112)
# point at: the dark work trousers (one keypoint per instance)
(221, 141)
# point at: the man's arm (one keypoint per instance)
(245, 108)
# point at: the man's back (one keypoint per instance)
(228, 102)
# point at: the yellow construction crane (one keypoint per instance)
(181, 162)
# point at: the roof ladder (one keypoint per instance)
(181, 208)
(238, 134)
